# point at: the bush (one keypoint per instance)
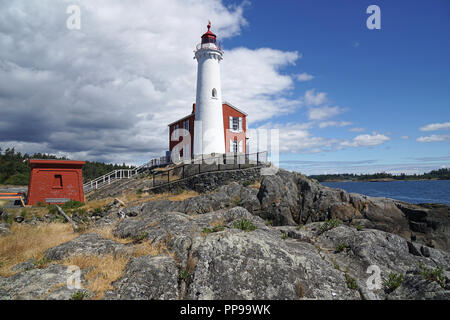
(207, 231)
(393, 281)
(436, 275)
(246, 183)
(351, 282)
(328, 225)
(359, 227)
(79, 295)
(244, 224)
(140, 237)
(72, 204)
(340, 247)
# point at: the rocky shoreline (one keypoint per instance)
(284, 237)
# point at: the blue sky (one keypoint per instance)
(392, 81)
(344, 98)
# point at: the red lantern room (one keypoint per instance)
(55, 181)
(208, 36)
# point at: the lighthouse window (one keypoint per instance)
(214, 93)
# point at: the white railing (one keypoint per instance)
(119, 174)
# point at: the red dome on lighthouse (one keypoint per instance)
(208, 36)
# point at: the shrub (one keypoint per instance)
(72, 204)
(359, 227)
(41, 263)
(328, 225)
(244, 224)
(140, 237)
(284, 236)
(207, 231)
(79, 295)
(340, 247)
(98, 210)
(436, 275)
(246, 183)
(351, 282)
(184, 275)
(393, 281)
(139, 191)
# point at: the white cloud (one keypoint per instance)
(405, 137)
(334, 124)
(315, 99)
(108, 91)
(436, 126)
(322, 113)
(304, 77)
(296, 138)
(434, 138)
(365, 140)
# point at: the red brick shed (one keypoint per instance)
(55, 181)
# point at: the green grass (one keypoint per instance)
(436, 274)
(359, 227)
(340, 247)
(42, 262)
(244, 224)
(393, 281)
(284, 236)
(72, 204)
(207, 231)
(351, 282)
(79, 295)
(328, 225)
(140, 237)
(184, 275)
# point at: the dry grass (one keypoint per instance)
(107, 233)
(191, 263)
(29, 242)
(91, 205)
(103, 270)
(134, 199)
(256, 185)
(147, 248)
(218, 223)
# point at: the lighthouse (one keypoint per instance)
(209, 128)
(214, 126)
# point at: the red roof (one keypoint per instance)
(59, 162)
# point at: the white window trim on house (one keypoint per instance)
(238, 124)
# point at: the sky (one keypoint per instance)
(345, 98)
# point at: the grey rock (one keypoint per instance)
(147, 278)
(5, 229)
(86, 244)
(37, 284)
(19, 219)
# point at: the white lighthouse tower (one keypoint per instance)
(209, 130)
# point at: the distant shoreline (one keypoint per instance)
(380, 180)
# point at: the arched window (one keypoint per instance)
(214, 93)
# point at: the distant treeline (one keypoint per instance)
(14, 168)
(440, 174)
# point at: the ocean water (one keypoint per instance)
(421, 191)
